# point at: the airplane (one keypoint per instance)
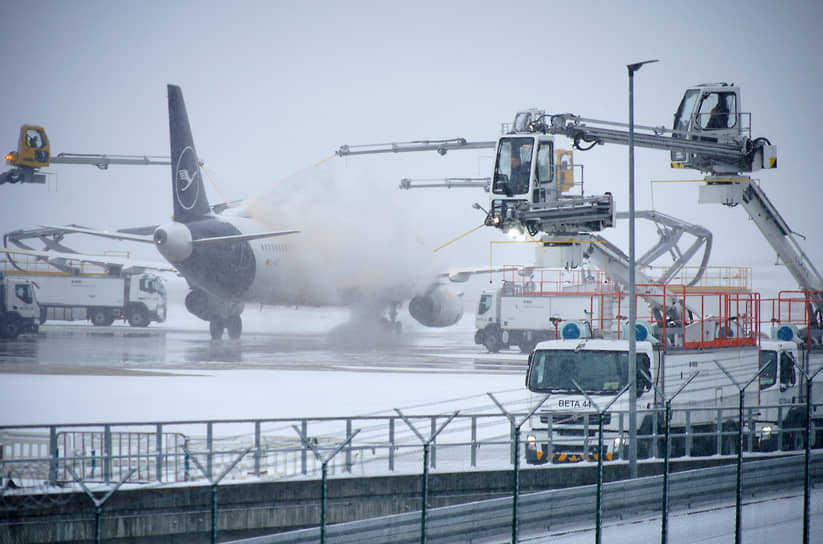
(228, 258)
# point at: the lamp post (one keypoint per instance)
(632, 310)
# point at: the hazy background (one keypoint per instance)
(274, 87)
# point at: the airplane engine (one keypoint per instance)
(200, 304)
(173, 241)
(441, 306)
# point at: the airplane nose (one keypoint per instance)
(173, 241)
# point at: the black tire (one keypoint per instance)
(216, 328)
(100, 317)
(44, 314)
(234, 326)
(12, 327)
(138, 317)
(491, 339)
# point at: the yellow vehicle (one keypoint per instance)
(32, 148)
(33, 152)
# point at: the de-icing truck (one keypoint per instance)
(715, 336)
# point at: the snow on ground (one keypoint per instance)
(765, 520)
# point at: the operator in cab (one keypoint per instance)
(519, 180)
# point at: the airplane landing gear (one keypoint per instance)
(216, 327)
(234, 325)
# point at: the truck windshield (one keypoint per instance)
(595, 371)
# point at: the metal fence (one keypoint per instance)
(162, 451)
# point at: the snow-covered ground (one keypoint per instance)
(765, 520)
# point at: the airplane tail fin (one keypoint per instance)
(188, 192)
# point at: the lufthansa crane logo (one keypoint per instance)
(186, 187)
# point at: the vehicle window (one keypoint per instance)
(485, 304)
(511, 175)
(684, 111)
(34, 138)
(788, 375)
(545, 168)
(23, 292)
(769, 376)
(718, 111)
(594, 371)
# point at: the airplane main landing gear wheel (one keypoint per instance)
(216, 328)
(234, 325)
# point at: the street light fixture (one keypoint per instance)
(632, 309)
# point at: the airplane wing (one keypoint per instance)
(60, 259)
(124, 235)
(250, 236)
(117, 235)
(462, 275)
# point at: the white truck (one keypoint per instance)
(533, 302)
(704, 417)
(138, 298)
(19, 311)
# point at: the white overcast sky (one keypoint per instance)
(272, 87)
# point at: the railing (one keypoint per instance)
(161, 452)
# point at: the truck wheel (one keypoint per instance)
(44, 314)
(492, 343)
(234, 326)
(138, 317)
(11, 328)
(491, 338)
(100, 317)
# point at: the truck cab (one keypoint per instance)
(19, 310)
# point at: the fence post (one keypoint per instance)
(599, 489)
(159, 445)
(391, 444)
(515, 426)
(257, 446)
(738, 511)
(664, 530)
(214, 483)
(304, 429)
(809, 428)
(474, 441)
(98, 503)
(108, 453)
(53, 454)
(348, 447)
(426, 444)
(324, 473)
(209, 449)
